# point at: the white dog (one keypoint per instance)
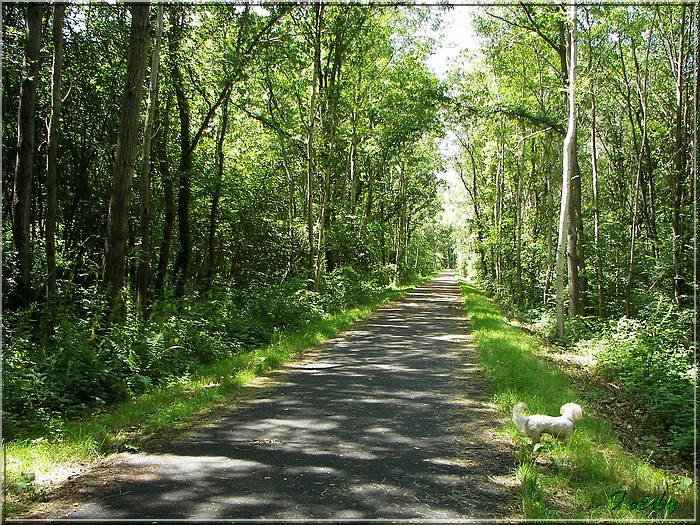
(536, 425)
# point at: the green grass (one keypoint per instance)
(127, 425)
(581, 478)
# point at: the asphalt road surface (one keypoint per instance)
(389, 421)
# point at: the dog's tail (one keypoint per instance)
(518, 419)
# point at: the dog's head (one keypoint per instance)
(572, 410)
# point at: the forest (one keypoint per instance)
(183, 182)
(619, 84)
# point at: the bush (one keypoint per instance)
(652, 361)
(650, 358)
(86, 362)
(77, 366)
(344, 287)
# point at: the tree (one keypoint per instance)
(22, 198)
(569, 167)
(312, 275)
(144, 269)
(120, 196)
(51, 184)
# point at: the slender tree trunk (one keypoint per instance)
(331, 89)
(637, 188)
(696, 171)
(497, 205)
(596, 209)
(168, 198)
(550, 225)
(574, 242)
(633, 239)
(220, 159)
(645, 161)
(473, 190)
(272, 107)
(310, 164)
(290, 205)
(22, 194)
(182, 261)
(352, 161)
(575, 261)
(120, 197)
(652, 213)
(188, 145)
(51, 183)
(569, 167)
(680, 167)
(519, 199)
(144, 271)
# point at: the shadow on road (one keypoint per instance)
(390, 421)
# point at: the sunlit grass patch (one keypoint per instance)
(589, 476)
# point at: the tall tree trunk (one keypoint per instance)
(220, 159)
(643, 149)
(401, 222)
(568, 170)
(497, 206)
(575, 241)
(22, 191)
(696, 171)
(188, 145)
(577, 268)
(168, 198)
(633, 243)
(679, 167)
(519, 224)
(575, 261)
(645, 160)
(273, 107)
(183, 195)
(310, 164)
(329, 119)
(473, 191)
(51, 183)
(352, 161)
(120, 196)
(144, 271)
(596, 209)
(550, 224)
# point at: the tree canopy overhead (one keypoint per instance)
(278, 139)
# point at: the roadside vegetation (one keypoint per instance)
(576, 165)
(277, 167)
(583, 477)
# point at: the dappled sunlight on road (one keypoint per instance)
(372, 428)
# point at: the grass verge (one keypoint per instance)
(589, 476)
(30, 464)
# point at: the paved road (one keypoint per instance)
(388, 421)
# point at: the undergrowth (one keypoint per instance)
(589, 476)
(650, 362)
